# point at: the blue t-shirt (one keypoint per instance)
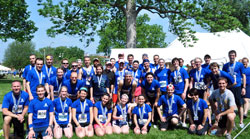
(163, 76)
(177, 101)
(144, 72)
(215, 78)
(145, 113)
(77, 105)
(40, 110)
(141, 66)
(56, 83)
(50, 72)
(87, 75)
(178, 80)
(203, 75)
(150, 89)
(26, 71)
(117, 64)
(205, 66)
(68, 74)
(238, 71)
(73, 88)
(155, 67)
(119, 114)
(99, 114)
(202, 106)
(8, 102)
(247, 73)
(104, 84)
(129, 67)
(60, 118)
(34, 80)
(137, 76)
(119, 75)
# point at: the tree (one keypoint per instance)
(14, 21)
(17, 54)
(82, 17)
(114, 35)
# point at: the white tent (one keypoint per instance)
(217, 45)
(3, 68)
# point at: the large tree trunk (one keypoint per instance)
(131, 23)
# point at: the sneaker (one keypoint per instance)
(241, 125)
(245, 116)
(184, 125)
(155, 126)
(228, 136)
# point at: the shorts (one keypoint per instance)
(151, 100)
(223, 122)
(148, 127)
(97, 98)
(237, 95)
(114, 98)
(120, 124)
(168, 124)
(63, 125)
(247, 91)
(18, 127)
(97, 126)
(40, 131)
(199, 132)
(82, 124)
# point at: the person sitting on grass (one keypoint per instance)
(142, 116)
(170, 102)
(120, 114)
(102, 116)
(15, 105)
(63, 117)
(198, 113)
(223, 105)
(82, 114)
(41, 115)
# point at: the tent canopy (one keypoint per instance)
(3, 68)
(217, 45)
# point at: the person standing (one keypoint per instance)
(48, 69)
(27, 69)
(55, 83)
(245, 62)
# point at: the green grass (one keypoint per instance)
(5, 87)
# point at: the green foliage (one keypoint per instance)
(14, 21)
(113, 35)
(17, 54)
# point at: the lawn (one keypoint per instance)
(5, 86)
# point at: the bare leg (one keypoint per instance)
(6, 126)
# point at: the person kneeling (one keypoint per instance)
(170, 102)
(142, 116)
(120, 114)
(102, 115)
(198, 113)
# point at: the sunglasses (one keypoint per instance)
(74, 65)
(192, 95)
(65, 63)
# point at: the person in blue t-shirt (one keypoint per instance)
(207, 59)
(102, 116)
(198, 79)
(62, 120)
(55, 83)
(136, 73)
(36, 77)
(162, 74)
(65, 66)
(14, 106)
(48, 68)
(87, 72)
(156, 65)
(245, 62)
(99, 85)
(130, 59)
(120, 56)
(171, 104)
(237, 71)
(83, 116)
(27, 69)
(147, 68)
(120, 116)
(74, 68)
(198, 113)
(73, 86)
(142, 115)
(41, 115)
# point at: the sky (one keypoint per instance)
(41, 39)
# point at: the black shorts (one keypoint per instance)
(168, 124)
(63, 125)
(148, 127)
(237, 95)
(223, 122)
(151, 100)
(18, 127)
(199, 132)
(82, 124)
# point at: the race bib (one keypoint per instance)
(163, 83)
(200, 85)
(63, 117)
(82, 118)
(142, 121)
(101, 118)
(41, 114)
(19, 109)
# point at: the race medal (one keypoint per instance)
(101, 118)
(170, 111)
(17, 109)
(196, 118)
(142, 121)
(82, 118)
(41, 114)
(163, 84)
(63, 117)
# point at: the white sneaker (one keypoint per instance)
(155, 126)
(184, 125)
(228, 136)
(241, 125)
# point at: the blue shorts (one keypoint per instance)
(41, 130)
(247, 91)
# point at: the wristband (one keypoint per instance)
(30, 125)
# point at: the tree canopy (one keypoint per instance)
(14, 21)
(113, 35)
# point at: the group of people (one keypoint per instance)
(127, 95)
